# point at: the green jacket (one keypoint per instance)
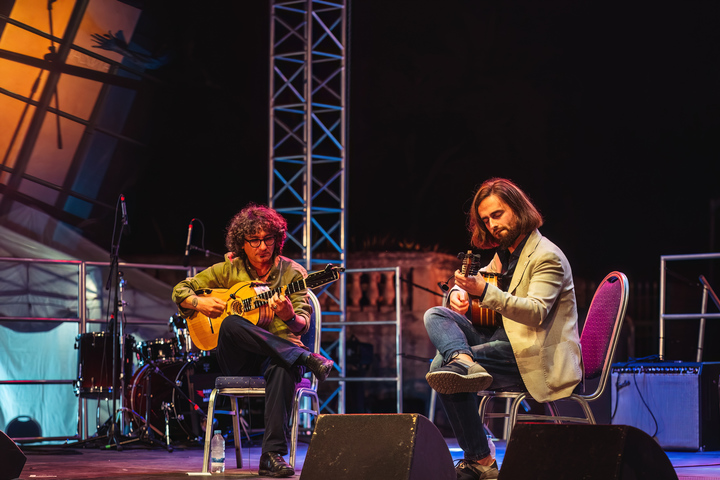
(230, 272)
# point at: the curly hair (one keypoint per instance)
(249, 221)
(528, 217)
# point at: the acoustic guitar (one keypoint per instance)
(250, 300)
(478, 314)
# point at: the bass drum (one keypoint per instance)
(194, 380)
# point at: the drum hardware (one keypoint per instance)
(158, 388)
(178, 325)
(166, 409)
(146, 430)
(175, 384)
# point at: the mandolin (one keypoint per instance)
(249, 300)
(478, 314)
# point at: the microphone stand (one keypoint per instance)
(189, 247)
(206, 252)
(115, 281)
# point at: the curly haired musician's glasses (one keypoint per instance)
(269, 241)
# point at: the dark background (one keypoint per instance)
(607, 115)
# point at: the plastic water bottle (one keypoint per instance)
(491, 444)
(217, 453)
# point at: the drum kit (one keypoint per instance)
(164, 384)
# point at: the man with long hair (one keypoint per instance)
(536, 344)
(272, 348)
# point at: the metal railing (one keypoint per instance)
(342, 326)
(82, 320)
(702, 316)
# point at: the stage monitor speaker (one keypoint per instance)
(12, 460)
(377, 447)
(677, 403)
(589, 452)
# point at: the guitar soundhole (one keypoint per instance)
(236, 307)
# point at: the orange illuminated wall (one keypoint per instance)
(75, 96)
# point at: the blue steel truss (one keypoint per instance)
(308, 138)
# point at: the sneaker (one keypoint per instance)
(458, 376)
(474, 471)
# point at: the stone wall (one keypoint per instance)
(371, 349)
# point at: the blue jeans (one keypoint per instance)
(452, 334)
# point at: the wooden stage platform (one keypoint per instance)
(137, 462)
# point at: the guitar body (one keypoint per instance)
(204, 330)
(250, 301)
(480, 315)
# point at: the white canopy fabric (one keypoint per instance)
(47, 350)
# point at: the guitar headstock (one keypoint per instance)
(470, 263)
(330, 274)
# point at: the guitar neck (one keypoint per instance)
(290, 288)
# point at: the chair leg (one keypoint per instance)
(433, 404)
(209, 431)
(586, 408)
(314, 410)
(236, 432)
(482, 409)
(554, 412)
(514, 407)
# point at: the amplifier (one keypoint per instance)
(676, 403)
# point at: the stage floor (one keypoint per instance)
(139, 462)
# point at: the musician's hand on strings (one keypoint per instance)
(282, 306)
(473, 284)
(459, 301)
(210, 306)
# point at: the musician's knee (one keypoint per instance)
(434, 316)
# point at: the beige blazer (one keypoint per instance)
(540, 317)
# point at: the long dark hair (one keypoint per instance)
(251, 220)
(527, 215)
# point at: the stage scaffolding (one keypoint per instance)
(307, 139)
(308, 142)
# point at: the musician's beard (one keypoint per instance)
(508, 237)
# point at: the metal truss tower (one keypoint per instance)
(308, 139)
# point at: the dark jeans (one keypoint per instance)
(452, 333)
(245, 349)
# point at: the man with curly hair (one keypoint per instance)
(272, 348)
(536, 344)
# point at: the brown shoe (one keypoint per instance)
(273, 465)
(319, 366)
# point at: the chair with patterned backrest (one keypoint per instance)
(598, 341)
(236, 387)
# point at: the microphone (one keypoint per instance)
(444, 285)
(124, 209)
(187, 243)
